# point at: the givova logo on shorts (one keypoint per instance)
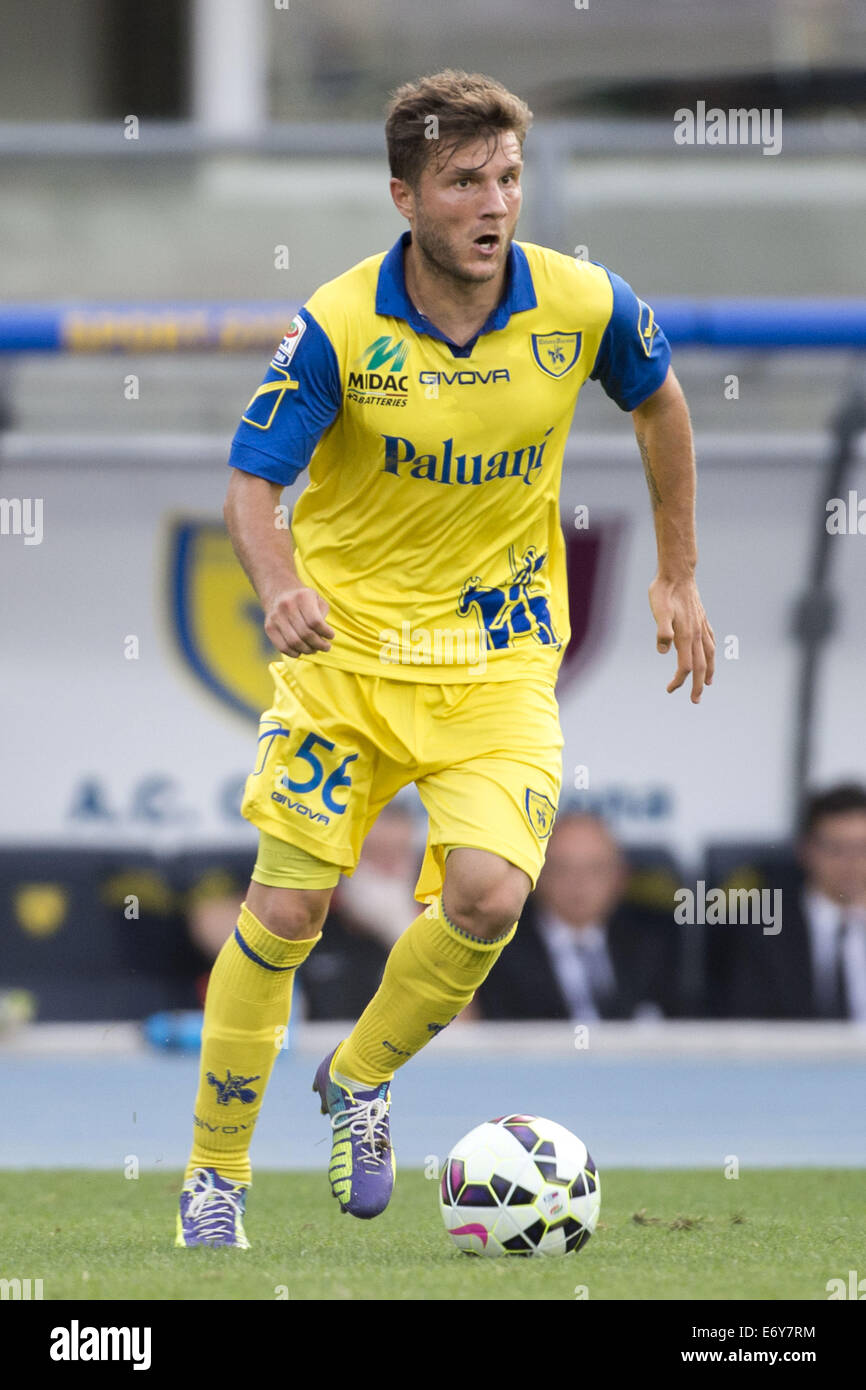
(319, 778)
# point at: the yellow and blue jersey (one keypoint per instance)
(430, 522)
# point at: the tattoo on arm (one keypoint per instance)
(655, 495)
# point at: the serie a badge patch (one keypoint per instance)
(286, 351)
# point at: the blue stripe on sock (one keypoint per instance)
(259, 960)
(467, 936)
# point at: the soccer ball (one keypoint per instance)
(519, 1185)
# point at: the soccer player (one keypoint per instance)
(420, 607)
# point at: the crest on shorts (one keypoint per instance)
(556, 353)
(540, 811)
(217, 618)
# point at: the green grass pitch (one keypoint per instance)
(770, 1234)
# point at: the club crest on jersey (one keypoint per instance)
(556, 353)
(646, 326)
(540, 812)
(288, 347)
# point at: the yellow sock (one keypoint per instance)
(431, 974)
(249, 998)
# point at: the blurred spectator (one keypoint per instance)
(815, 967)
(91, 934)
(583, 949)
(368, 911)
(213, 902)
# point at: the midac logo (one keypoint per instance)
(384, 352)
(372, 385)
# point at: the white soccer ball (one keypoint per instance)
(519, 1185)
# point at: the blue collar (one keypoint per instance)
(392, 299)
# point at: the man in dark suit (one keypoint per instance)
(815, 967)
(367, 914)
(582, 951)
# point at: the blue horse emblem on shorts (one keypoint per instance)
(513, 612)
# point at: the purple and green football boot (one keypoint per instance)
(211, 1211)
(362, 1167)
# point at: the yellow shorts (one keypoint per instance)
(336, 746)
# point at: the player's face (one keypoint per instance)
(465, 212)
(834, 856)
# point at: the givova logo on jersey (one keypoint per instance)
(377, 376)
(463, 376)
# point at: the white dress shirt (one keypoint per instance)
(824, 918)
(581, 964)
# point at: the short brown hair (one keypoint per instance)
(840, 800)
(467, 106)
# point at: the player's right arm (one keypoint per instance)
(288, 414)
(294, 615)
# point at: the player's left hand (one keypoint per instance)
(681, 622)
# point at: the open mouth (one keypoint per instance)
(488, 242)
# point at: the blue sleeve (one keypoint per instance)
(291, 409)
(634, 354)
